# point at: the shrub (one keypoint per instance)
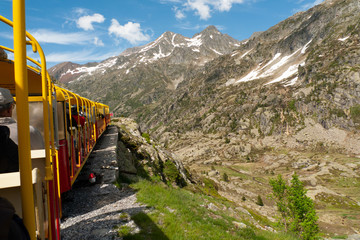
(291, 105)
(259, 201)
(355, 113)
(171, 172)
(225, 177)
(146, 136)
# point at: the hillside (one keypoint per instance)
(287, 99)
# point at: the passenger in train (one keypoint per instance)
(78, 117)
(7, 105)
(3, 54)
(12, 226)
(9, 157)
(73, 121)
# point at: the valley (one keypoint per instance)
(331, 178)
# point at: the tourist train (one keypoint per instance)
(69, 124)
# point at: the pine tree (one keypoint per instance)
(296, 209)
(302, 210)
(279, 188)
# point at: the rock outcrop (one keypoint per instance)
(139, 156)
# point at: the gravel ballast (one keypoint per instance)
(92, 211)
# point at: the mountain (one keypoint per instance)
(175, 48)
(286, 99)
(141, 75)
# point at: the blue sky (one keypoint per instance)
(84, 31)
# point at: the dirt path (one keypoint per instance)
(92, 211)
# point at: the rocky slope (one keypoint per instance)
(140, 157)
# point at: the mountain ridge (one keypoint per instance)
(162, 47)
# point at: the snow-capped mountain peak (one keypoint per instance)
(172, 47)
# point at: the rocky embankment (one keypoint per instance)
(142, 157)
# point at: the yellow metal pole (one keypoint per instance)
(21, 88)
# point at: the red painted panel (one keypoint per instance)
(64, 166)
(54, 205)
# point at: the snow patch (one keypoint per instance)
(159, 55)
(303, 50)
(146, 48)
(250, 76)
(123, 66)
(343, 39)
(282, 62)
(234, 54)
(293, 69)
(292, 82)
(101, 67)
(272, 60)
(173, 41)
(274, 65)
(230, 82)
(246, 53)
(196, 41)
(219, 53)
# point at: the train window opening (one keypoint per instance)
(61, 120)
(35, 116)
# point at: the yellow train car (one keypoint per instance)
(69, 124)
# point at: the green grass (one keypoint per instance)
(147, 137)
(335, 201)
(355, 113)
(181, 214)
(124, 230)
(340, 237)
(232, 173)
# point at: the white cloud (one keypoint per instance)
(204, 8)
(200, 7)
(130, 31)
(226, 5)
(308, 5)
(98, 42)
(179, 14)
(6, 35)
(48, 36)
(80, 56)
(81, 11)
(171, 1)
(191, 26)
(86, 22)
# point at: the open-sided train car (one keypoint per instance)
(69, 124)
